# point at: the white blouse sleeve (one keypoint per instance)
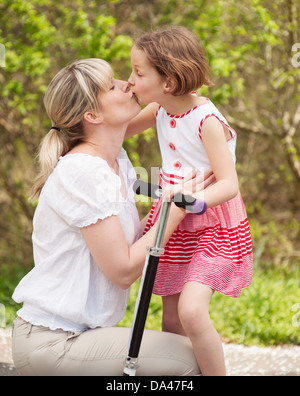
(85, 190)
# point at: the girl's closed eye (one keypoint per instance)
(138, 73)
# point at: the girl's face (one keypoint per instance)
(146, 83)
(119, 105)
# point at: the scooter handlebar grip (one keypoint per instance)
(149, 190)
(190, 204)
(187, 202)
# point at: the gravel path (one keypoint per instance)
(240, 360)
(6, 365)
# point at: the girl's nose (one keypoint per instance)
(130, 80)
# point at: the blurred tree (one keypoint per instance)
(257, 86)
(40, 37)
(250, 48)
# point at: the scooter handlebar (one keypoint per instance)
(186, 202)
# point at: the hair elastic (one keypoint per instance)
(56, 128)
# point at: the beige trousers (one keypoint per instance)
(39, 351)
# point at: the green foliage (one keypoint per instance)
(40, 37)
(154, 317)
(10, 277)
(263, 314)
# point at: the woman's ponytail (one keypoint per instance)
(53, 146)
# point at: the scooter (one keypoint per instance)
(150, 268)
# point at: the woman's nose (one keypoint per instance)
(124, 85)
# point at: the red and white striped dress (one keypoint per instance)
(215, 248)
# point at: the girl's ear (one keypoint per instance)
(93, 118)
(170, 85)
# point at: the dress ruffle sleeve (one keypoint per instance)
(85, 190)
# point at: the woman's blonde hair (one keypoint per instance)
(177, 53)
(72, 92)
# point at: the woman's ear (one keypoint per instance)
(93, 118)
(170, 85)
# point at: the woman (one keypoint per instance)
(85, 239)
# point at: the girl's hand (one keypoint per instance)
(191, 184)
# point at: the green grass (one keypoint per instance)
(263, 315)
(267, 313)
(154, 314)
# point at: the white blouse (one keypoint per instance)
(66, 289)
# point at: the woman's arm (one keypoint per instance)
(107, 244)
(226, 186)
(144, 120)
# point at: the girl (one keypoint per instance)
(206, 253)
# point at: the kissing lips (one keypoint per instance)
(135, 97)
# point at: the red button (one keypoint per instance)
(177, 165)
(172, 147)
(173, 123)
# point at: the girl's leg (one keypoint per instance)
(170, 319)
(194, 315)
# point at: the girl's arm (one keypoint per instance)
(144, 120)
(119, 263)
(226, 186)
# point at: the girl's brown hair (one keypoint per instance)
(177, 53)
